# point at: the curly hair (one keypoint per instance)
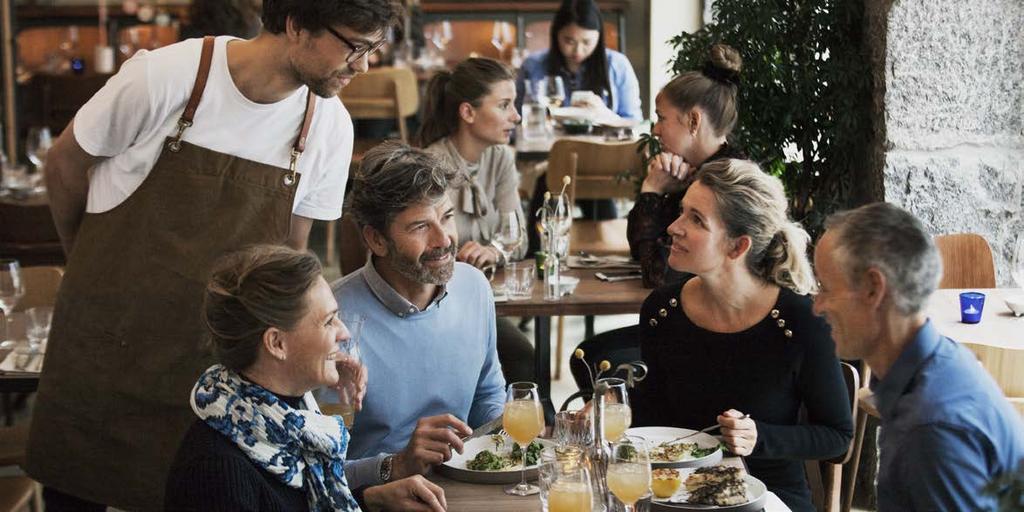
(366, 16)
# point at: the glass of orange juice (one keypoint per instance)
(617, 414)
(629, 471)
(524, 421)
(570, 490)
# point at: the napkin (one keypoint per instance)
(612, 261)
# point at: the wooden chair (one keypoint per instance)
(825, 477)
(17, 493)
(380, 93)
(595, 169)
(41, 286)
(966, 263)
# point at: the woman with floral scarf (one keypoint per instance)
(260, 442)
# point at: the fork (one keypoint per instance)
(703, 431)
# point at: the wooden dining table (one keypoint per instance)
(591, 297)
(492, 498)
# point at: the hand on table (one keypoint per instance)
(739, 432)
(665, 174)
(352, 380)
(477, 255)
(414, 493)
(431, 444)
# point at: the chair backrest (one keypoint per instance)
(41, 285)
(1004, 365)
(352, 252)
(852, 379)
(966, 261)
(383, 93)
(825, 477)
(595, 168)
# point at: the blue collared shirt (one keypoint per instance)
(947, 429)
(442, 359)
(625, 86)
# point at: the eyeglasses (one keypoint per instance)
(356, 52)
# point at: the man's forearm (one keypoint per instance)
(67, 191)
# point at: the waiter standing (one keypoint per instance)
(189, 152)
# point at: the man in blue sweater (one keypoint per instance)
(428, 336)
(947, 429)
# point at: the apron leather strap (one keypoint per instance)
(197, 94)
(300, 143)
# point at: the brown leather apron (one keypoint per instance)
(125, 346)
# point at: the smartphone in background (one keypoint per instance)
(611, 277)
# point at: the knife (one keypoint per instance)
(484, 429)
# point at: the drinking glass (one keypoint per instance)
(629, 471)
(553, 461)
(511, 233)
(523, 420)
(501, 36)
(519, 279)
(1018, 261)
(617, 414)
(569, 489)
(11, 287)
(349, 349)
(39, 319)
(574, 428)
(442, 35)
(554, 90)
(37, 145)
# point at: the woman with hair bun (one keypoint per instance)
(737, 342)
(696, 112)
(468, 117)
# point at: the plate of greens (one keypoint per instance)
(495, 459)
(669, 447)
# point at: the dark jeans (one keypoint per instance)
(56, 501)
(515, 352)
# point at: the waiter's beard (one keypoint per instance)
(322, 85)
(415, 270)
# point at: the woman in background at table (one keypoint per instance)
(260, 442)
(469, 115)
(739, 337)
(577, 54)
(696, 113)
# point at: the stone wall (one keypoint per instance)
(953, 150)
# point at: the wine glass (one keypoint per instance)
(349, 349)
(442, 35)
(39, 320)
(629, 471)
(11, 287)
(570, 490)
(617, 414)
(501, 36)
(523, 420)
(510, 235)
(38, 144)
(554, 90)
(1017, 270)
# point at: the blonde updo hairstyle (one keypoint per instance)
(713, 89)
(754, 204)
(250, 291)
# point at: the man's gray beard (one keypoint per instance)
(414, 270)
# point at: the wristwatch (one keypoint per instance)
(385, 468)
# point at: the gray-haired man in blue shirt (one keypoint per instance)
(947, 429)
(428, 337)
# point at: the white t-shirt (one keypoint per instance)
(130, 117)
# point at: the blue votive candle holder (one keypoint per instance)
(971, 305)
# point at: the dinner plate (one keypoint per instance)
(756, 491)
(455, 468)
(658, 435)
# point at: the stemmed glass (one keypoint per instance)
(554, 90)
(510, 235)
(348, 349)
(629, 471)
(523, 420)
(1018, 261)
(37, 145)
(501, 36)
(556, 220)
(442, 35)
(617, 414)
(11, 287)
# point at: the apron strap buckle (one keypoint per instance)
(175, 143)
(292, 175)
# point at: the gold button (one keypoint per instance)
(788, 333)
(775, 313)
(663, 312)
(673, 302)
(781, 322)
(654, 322)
